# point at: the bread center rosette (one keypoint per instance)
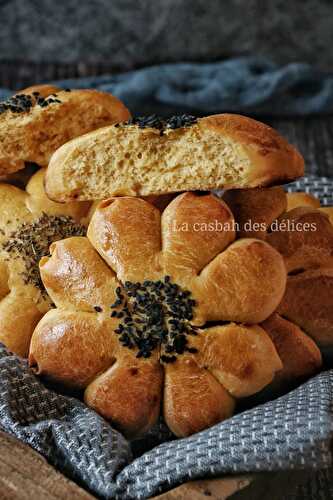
(157, 313)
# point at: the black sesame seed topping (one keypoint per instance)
(98, 309)
(154, 313)
(162, 124)
(31, 241)
(22, 103)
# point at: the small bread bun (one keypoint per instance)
(43, 90)
(295, 200)
(150, 156)
(308, 303)
(256, 208)
(32, 127)
(300, 356)
(304, 236)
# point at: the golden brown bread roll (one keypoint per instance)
(308, 302)
(29, 222)
(256, 209)
(329, 212)
(295, 200)
(43, 90)
(299, 354)
(132, 302)
(149, 156)
(32, 127)
(304, 236)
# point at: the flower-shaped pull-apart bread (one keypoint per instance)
(29, 223)
(134, 304)
(302, 232)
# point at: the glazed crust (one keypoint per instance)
(137, 243)
(295, 200)
(307, 247)
(299, 354)
(256, 209)
(308, 303)
(34, 135)
(21, 304)
(218, 151)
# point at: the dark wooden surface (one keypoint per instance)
(25, 475)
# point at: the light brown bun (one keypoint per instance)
(308, 302)
(299, 354)
(306, 199)
(22, 303)
(329, 212)
(295, 200)
(43, 90)
(256, 209)
(307, 247)
(34, 135)
(130, 241)
(217, 151)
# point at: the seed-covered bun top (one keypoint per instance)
(34, 123)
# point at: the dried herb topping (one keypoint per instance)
(153, 314)
(31, 241)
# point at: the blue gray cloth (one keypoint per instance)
(247, 85)
(291, 432)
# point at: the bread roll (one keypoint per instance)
(149, 157)
(32, 127)
(295, 200)
(256, 209)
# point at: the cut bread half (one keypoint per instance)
(150, 156)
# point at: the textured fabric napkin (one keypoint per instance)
(291, 432)
(248, 85)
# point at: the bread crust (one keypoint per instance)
(34, 135)
(218, 151)
(300, 356)
(308, 303)
(256, 207)
(275, 161)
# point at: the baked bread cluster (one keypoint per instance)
(302, 232)
(134, 301)
(29, 223)
(149, 301)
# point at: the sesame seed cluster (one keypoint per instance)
(154, 314)
(31, 241)
(161, 124)
(22, 103)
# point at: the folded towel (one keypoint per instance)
(243, 85)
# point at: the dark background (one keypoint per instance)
(48, 39)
